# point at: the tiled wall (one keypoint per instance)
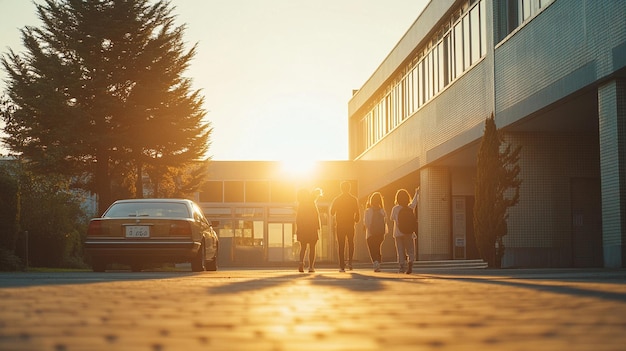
(612, 106)
(539, 226)
(434, 218)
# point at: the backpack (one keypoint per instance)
(407, 223)
(377, 226)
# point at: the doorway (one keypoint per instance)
(586, 202)
(281, 244)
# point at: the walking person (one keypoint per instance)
(375, 219)
(307, 226)
(404, 229)
(345, 208)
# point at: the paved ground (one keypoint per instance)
(286, 310)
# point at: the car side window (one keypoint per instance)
(197, 213)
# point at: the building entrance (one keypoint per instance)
(281, 244)
(586, 222)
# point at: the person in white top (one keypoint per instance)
(375, 219)
(405, 246)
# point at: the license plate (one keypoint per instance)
(137, 231)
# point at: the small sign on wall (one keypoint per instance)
(459, 242)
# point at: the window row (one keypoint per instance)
(263, 191)
(514, 13)
(457, 48)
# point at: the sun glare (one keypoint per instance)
(300, 167)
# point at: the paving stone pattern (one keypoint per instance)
(327, 310)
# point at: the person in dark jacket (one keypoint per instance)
(307, 226)
(345, 208)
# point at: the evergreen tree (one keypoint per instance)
(497, 189)
(100, 95)
(9, 208)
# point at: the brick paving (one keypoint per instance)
(327, 310)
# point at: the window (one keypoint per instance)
(218, 212)
(475, 34)
(441, 65)
(249, 212)
(257, 191)
(233, 191)
(457, 45)
(513, 13)
(282, 212)
(283, 192)
(458, 49)
(212, 191)
(248, 233)
(466, 43)
(434, 55)
(422, 83)
(483, 29)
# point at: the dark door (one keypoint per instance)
(471, 249)
(586, 222)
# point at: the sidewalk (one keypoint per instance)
(264, 309)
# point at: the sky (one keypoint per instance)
(277, 75)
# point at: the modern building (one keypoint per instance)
(254, 205)
(553, 73)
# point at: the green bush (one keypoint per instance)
(9, 261)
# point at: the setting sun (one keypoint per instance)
(299, 168)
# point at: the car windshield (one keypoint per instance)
(148, 209)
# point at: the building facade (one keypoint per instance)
(253, 205)
(553, 73)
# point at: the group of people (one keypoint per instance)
(345, 209)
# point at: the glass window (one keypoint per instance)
(233, 191)
(427, 79)
(248, 233)
(466, 43)
(475, 34)
(544, 3)
(458, 49)
(415, 88)
(435, 70)
(226, 229)
(449, 57)
(441, 66)
(454, 49)
(282, 212)
(483, 29)
(411, 92)
(422, 82)
(371, 127)
(406, 95)
(257, 191)
(385, 114)
(399, 114)
(525, 7)
(249, 212)
(217, 212)
(432, 74)
(283, 191)
(211, 191)
(148, 209)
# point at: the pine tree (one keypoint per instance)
(497, 189)
(100, 94)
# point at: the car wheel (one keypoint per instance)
(197, 264)
(211, 265)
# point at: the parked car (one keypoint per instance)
(140, 232)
